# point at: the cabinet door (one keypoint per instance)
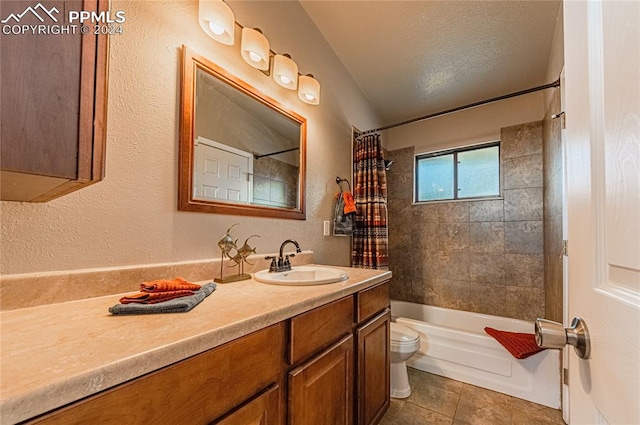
(263, 410)
(53, 102)
(372, 387)
(321, 390)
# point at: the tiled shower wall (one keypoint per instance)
(483, 256)
(275, 183)
(553, 172)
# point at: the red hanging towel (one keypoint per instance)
(349, 203)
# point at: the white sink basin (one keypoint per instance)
(302, 275)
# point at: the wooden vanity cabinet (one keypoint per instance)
(322, 354)
(237, 383)
(327, 366)
(263, 410)
(321, 389)
(53, 106)
(373, 354)
(348, 382)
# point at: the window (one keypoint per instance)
(458, 174)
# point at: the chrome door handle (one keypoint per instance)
(551, 334)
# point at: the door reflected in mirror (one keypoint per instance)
(241, 152)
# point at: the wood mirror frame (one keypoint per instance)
(191, 63)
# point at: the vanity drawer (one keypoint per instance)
(372, 300)
(319, 328)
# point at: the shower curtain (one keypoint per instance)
(370, 234)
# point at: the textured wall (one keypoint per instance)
(131, 217)
(467, 127)
(482, 256)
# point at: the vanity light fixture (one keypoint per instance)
(309, 89)
(217, 20)
(285, 71)
(255, 48)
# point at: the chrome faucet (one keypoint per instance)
(282, 263)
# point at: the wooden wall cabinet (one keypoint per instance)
(328, 366)
(53, 105)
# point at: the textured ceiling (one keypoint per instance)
(413, 58)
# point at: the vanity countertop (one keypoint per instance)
(55, 354)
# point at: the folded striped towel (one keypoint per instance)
(177, 284)
(154, 297)
(176, 305)
(520, 345)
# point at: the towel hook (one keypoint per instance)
(339, 182)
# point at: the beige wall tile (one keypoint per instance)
(522, 172)
(521, 140)
(492, 210)
(523, 204)
(487, 237)
(523, 237)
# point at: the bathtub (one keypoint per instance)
(453, 344)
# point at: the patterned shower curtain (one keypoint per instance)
(370, 235)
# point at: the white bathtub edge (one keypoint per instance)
(480, 360)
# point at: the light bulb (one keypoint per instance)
(216, 28)
(309, 89)
(255, 48)
(285, 71)
(255, 57)
(217, 21)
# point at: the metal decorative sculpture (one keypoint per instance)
(229, 248)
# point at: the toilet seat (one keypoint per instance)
(403, 335)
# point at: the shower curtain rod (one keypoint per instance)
(256, 155)
(460, 108)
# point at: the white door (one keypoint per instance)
(222, 173)
(602, 71)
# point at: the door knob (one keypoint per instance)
(551, 334)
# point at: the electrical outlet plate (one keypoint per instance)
(327, 228)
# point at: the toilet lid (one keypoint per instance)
(401, 333)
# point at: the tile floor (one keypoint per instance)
(443, 401)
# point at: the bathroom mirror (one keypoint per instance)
(241, 152)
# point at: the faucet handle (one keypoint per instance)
(287, 264)
(273, 266)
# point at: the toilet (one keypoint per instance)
(404, 344)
